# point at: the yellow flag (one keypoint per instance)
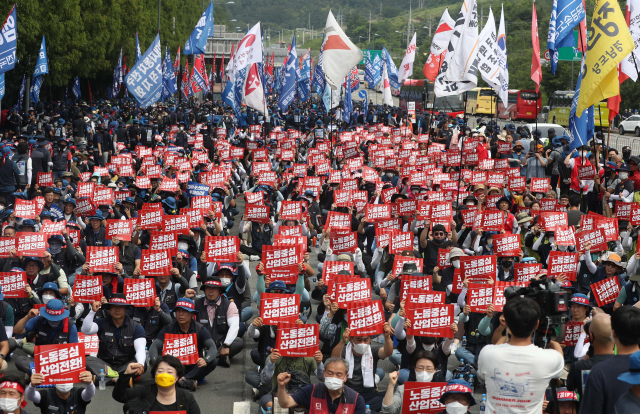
(609, 43)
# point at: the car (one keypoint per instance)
(544, 130)
(543, 116)
(630, 124)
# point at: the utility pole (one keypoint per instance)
(369, 38)
(409, 26)
(429, 25)
(174, 19)
(481, 16)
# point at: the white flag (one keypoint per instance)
(443, 33)
(487, 57)
(502, 60)
(628, 66)
(461, 67)
(339, 54)
(386, 88)
(406, 67)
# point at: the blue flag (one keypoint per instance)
(319, 81)
(169, 83)
(392, 71)
(565, 15)
(18, 106)
(196, 189)
(369, 73)
(1, 86)
(326, 98)
(36, 85)
(117, 78)
(305, 78)
(197, 42)
(144, 81)
(377, 69)
(138, 51)
(348, 105)
(288, 93)
(42, 65)
(579, 126)
(227, 94)
(9, 42)
(76, 87)
(365, 100)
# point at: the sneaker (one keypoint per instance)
(20, 342)
(111, 373)
(254, 258)
(187, 384)
(223, 361)
(256, 394)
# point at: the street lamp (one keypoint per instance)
(233, 20)
(374, 40)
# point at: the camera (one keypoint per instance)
(552, 299)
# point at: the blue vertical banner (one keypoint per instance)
(288, 93)
(1, 86)
(565, 15)
(197, 42)
(42, 64)
(305, 78)
(9, 43)
(392, 71)
(348, 105)
(18, 106)
(144, 80)
(579, 124)
(117, 78)
(138, 51)
(169, 82)
(319, 81)
(365, 103)
(36, 86)
(369, 74)
(377, 69)
(76, 87)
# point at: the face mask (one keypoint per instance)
(332, 383)
(55, 247)
(429, 347)
(527, 203)
(47, 298)
(539, 196)
(470, 204)
(54, 324)
(389, 175)
(361, 348)
(424, 376)
(562, 248)
(165, 380)
(594, 257)
(456, 408)
(507, 264)
(64, 388)
(183, 246)
(181, 128)
(225, 281)
(551, 239)
(623, 175)
(456, 264)
(9, 405)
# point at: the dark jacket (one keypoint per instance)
(124, 392)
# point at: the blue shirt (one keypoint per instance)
(73, 332)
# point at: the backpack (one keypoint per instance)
(548, 170)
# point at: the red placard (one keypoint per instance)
(290, 230)
(469, 217)
(399, 261)
(409, 282)
(61, 363)
(565, 236)
(606, 291)
(539, 185)
(222, 248)
(343, 243)
(6, 245)
(162, 241)
(506, 245)
(295, 340)
(586, 172)
(84, 207)
(143, 182)
(458, 282)
(430, 319)
(479, 297)
(86, 189)
(489, 220)
(400, 241)
(330, 270)
(45, 179)
(178, 224)
(595, 237)
(609, 227)
(256, 213)
(517, 184)
(282, 240)
(91, 343)
(140, 292)
(182, 346)
(422, 297)
(423, 397)
(376, 212)
(478, 268)
(278, 308)
(623, 210)
(120, 229)
(291, 210)
(365, 317)
(13, 284)
(155, 262)
(31, 244)
(50, 227)
(169, 184)
(523, 272)
(350, 290)
(549, 221)
(563, 262)
(150, 219)
(87, 289)
(102, 259)
(498, 294)
(281, 258)
(572, 331)
(103, 196)
(634, 218)
(25, 208)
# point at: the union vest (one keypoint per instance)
(43, 332)
(219, 328)
(95, 239)
(319, 404)
(150, 321)
(116, 352)
(72, 405)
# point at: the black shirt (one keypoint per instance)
(574, 379)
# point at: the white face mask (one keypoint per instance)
(361, 348)
(424, 376)
(471, 204)
(539, 196)
(225, 281)
(47, 298)
(429, 347)
(64, 388)
(456, 408)
(183, 246)
(332, 383)
(551, 239)
(389, 175)
(456, 264)
(623, 175)
(9, 405)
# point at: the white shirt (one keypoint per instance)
(517, 376)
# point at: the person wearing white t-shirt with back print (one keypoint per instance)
(515, 371)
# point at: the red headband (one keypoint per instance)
(11, 384)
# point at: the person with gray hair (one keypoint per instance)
(332, 396)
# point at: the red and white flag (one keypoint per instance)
(536, 67)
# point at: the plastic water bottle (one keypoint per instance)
(367, 410)
(102, 384)
(269, 410)
(483, 405)
(471, 383)
(463, 344)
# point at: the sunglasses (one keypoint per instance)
(438, 233)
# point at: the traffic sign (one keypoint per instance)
(547, 55)
(571, 53)
(373, 55)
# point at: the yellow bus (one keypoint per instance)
(481, 101)
(560, 108)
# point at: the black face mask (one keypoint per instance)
(507, 264)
